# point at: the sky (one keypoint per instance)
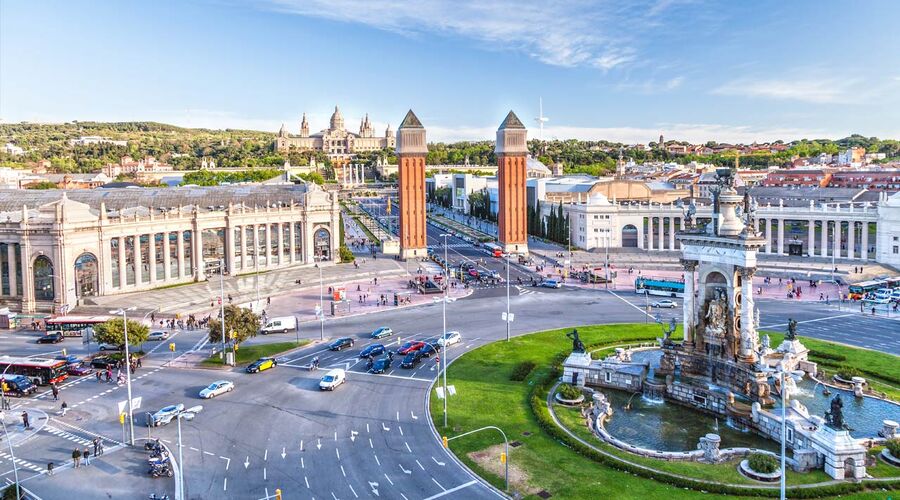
(694, 70)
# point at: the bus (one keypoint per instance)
(859, 291)
(667, 287)
(41, 371)
(74, 326)
(494, 249)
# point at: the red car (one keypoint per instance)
(410, 347)
(79, 370)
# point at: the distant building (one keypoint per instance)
(69, 181)
(335, 140)
(872, 180)
(852, 156)
(128, 165)
(12, 149)
(796, 177)
(95, 139)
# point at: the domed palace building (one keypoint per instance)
(335, 140)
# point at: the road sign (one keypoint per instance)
(504, 317)
(135, 404)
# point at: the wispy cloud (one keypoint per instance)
(589, 33)
(652, 86)
(813, 90)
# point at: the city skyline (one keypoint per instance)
(690, 70)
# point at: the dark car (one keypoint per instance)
(51, 338)
(70, 359)
(341, 344)
(103, 362)
(382, 364)
(412, 359)
(372, 350)
(410, 347)
(262, 364)
(430, 349)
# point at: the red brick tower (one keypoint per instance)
(511, 148)
(411, 150)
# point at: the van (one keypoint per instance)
(332, 379)
(17, 385)
(279, 325)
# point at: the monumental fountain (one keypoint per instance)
(724, 370)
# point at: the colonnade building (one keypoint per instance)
(59, 248)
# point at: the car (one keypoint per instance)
(78, 370)
(51, 338)
(372, 350)
(473, 273)
(158, 335)
(382, 364)
(412, 359)
(103, 362)
(70, 359)
(430, 349)
(449, 339)
(551, 284)
(332, 379)
(410, 346)
(103, 346)
(341, 344)
(665, 303)
(384, 331)
(165, 414)
(216, 388)
(262, 364)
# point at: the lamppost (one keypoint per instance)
(222, 300)
(782, 373)
(12, 454)
(444, 331)
(187, 414)
(508, 317)
(124, 312)
(321, 312)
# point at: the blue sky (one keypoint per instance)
(690, 69)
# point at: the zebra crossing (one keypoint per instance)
(523, 290)
(20, 462)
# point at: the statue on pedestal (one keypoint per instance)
(577, 344)
(715, 314)
(792, 330)
(667, 333)
(835, 417)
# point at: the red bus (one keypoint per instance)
(495, 249)
(41, 371)
(74, 326)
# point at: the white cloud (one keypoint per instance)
(589, 33)
(814, 90)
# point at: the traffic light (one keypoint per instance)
(503, 458)
(445, 441)
(172, 346)
(278, 494)
(122, 419)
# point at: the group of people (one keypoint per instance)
(81, 457)
(191, 323)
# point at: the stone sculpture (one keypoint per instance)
(792, 330)
(834, 418)
(715, 314)
(577, 344)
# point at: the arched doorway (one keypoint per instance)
(87, 277)
(322, 244)
(629, 236)
(42, 274)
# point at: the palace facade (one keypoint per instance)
(335, 140)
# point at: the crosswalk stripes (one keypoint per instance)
(68, 436)
(525, 291)
(22, 463)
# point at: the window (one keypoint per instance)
(790, 435)
(608, 376)
(896, 249)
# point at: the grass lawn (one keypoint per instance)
(250, 353)
(485, 395)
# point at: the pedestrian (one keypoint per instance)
(76, 457)
(268, 301)
(873, 311)
(65, 408)
(26, 424)
(139, 362)
(50, 468)
(99, 446)
(87, 456)
(96, 443)
(5, 403)
(55, 390)
(99, 375)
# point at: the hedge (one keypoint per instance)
(521, 371)
(760, 462)
(825, 355)
(893, 446)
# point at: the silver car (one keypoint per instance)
(166, 414)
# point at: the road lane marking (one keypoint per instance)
(225, 485)
(370, 444)
(420, 465)
(354, 491)
(407, 447)
(810, 320)
(401, 430)
(266, 456)
(302, 464)
(338, 452)
(305, 480)
(439, 463)
(343, 472)
(451, 490)
(439, 484)
(388, 479)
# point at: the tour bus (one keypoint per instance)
(74, 326)
(667, 287)
(41, 371)
(494, 249)
(858, 291)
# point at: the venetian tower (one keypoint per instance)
(511, 148)
(411, 150)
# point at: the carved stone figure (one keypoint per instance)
(667, 332)
(766, 343)
(835, 417)
(715, 314)
(792, 330)
(577, 344)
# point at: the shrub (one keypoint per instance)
(521, 371)
(569, 391)
(825, 355)
(760, 462)
(893, 446)
(346, 254)
(847, 372)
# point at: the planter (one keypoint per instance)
(569, 402)
(746, 471)
(890, 459)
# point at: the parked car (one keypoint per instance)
(412, 359)
(216, 388)
(51, 338)
(382, 364)
(18, 385)
(665, 303)
(282, 324)
(332, 379)
(551, 284)
(158, 335)
(165, 414)
(431, 348)
(341, 344)
(449, 339)
(262, 364)
(372, 350)
(384, 331)
(411, 346)
(103, 362)
(79, 370)
(109, 347)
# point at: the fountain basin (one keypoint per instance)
(746, 471)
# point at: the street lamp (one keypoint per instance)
(508, 316)
(782, 373)
(187, 414)
(124, 313)
(321, 312)
(12, 454)
(444, 331)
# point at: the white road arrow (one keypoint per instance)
(439, 463)
(318, 444)
(353, 436)
(405, 471)
(374, 487)
(413, 415)
(283, 454)
(301, 445)
(247, 462)
(385, 428)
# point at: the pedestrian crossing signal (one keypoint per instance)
(503, 458)
(122, 418)
(172, 346)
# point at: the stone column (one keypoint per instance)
(198, 271)
(837, 239)
(823, 252)
(11, 260)
(851, 238)
(229, 248)
(650, 233)
(811, 238)
(747, 349)
(138, 263)
(690, 268)
(123, 263)
(864, 251)
(780, 236)
(268, 232)
(640, 235)
(167, 257)
(243, 230)
(671, 233)
(768, 235)
(179, 245)
(279, 242)
(293, 243)
(151, 257)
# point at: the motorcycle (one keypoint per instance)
(154, 496)
(158, 459)
(162, 470)
(154, 446)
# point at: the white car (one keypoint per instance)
(158, 335)
(109, 347)
(166, 414)
(332, 379)
(449, 339)
(665, 303)
(216, 388)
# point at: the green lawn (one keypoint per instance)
(250, 353)
(486, 396)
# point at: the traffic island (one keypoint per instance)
(249, 353)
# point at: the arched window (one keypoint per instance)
(322, 244)
(87, 277)
(43, 278)
(629, 236)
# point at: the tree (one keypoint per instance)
(240, 325)
(42, 185)
(112, 332)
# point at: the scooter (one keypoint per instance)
(161, 470)
(161, 458)
(153, 445)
